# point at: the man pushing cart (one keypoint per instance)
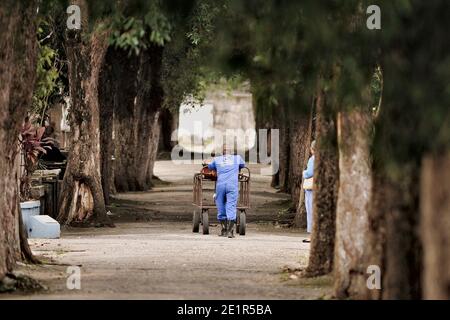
(228, 199)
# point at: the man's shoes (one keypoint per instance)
(223, 231)
(230, 229)
(306, 241)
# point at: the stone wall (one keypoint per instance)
(232, 121)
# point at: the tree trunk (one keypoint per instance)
(82, 199)
(377, 228)
(394, 239)
(266, 117)
(275, 181)
(124, 75)
(300, 140)
(168, 122)
(149, 102)
(326, 176)
(283, 172)
(352, 215)
(18, 55)
(394, 244)
(305, 144)
(107, 91)
(435, 226)
(136, 125)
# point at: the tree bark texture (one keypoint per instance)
(326, 179)
(305, 146)
(124, 86)
(284, 166)
(82, 198)
(394, 234)
(435, 226)
(169, 123)
(106, 92)
(137, 126)
(300, 140)
(352, 215)
(18, 54)
(149, 101)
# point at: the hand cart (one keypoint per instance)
(201, 214)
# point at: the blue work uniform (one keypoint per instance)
(309, 173)
(227, 187)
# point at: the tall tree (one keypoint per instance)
(354, 100)
(300, 142)
(410, 128)
(122, 132)
(149, 102)
(304, 144)
(352, 215)
(18, 55)
(162, 46)
(81, 199)
(326, 179)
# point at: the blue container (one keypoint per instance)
(29, 209)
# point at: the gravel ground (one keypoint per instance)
(153, 254)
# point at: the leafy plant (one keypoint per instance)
(33, 144)
(138, 33)
(48, 71)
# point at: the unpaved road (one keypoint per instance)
(153, 254)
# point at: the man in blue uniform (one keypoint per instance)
(227, 167)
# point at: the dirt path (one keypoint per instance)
(153, 254)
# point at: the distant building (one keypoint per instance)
(223, 116)
(59, 121)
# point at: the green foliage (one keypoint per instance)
(288, 48)
(209, 79)
(135, 34)
(414, 117)
(128, 34)
(160, 28)
(202, 22)
(185, 56)
(48, 72)
(184, 28)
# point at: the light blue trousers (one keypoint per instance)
(226, 201)
(309, 210)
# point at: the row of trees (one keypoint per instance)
(376, 101)
(138, 59)
(129, 62)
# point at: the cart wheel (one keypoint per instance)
(205, 222)
(242, 223)
(237, 224)
(195, 221)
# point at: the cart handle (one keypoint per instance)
(244, 176)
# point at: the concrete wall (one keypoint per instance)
(224, 116)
